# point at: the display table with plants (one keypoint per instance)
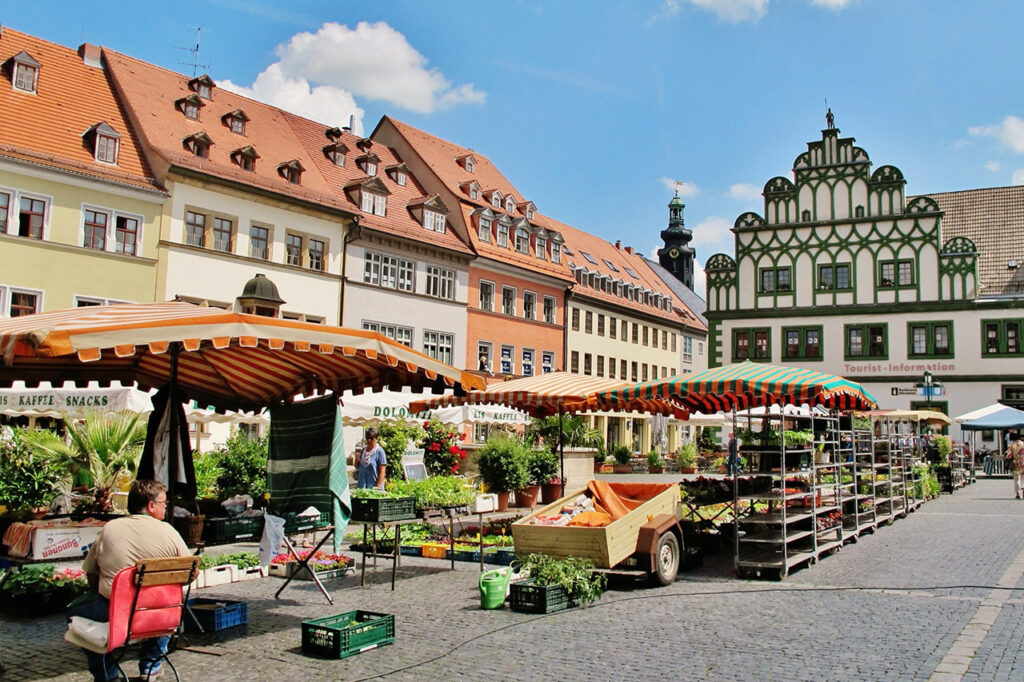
(40, 589)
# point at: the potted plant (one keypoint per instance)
(502, 465)
(544, 472)
(687, 458)
(622, 455)
(655, 464)
(441, 452)
(39, 589)
(29, 479)
(720, 464)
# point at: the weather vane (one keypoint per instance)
(677, 184)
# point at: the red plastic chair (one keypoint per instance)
(146, 600)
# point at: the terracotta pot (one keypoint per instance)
(606, 468)
(655, 470)
(723, 469)
(622, 468)
(527, 497)
(687, 470)
(503, 501)
(550, 492)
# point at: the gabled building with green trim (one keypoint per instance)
(843, 273)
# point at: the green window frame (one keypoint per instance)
(866, 341)
(775, 280)
(1001, 338)
(802, 343)
(835, 277)
(753, 343)
(896, 274)
(930, 339)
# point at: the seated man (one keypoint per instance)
(121, 544)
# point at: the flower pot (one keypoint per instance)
(503, 501)
(687, 470)
(655, 470)
(527, 497)
(723, 469)
(598, 467)
(622, 468)
(550, 492)
(606, 468)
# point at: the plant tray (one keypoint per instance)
(299, 524)
(506, 555)
(226, 530)
(466, 554)
(412, 550)
(380, 509)
(217, 614)
(347, 633)
(326, 575)
(529, 598)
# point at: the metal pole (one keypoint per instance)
(561, 449)
(174, 444)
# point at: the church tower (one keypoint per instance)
(677, 256)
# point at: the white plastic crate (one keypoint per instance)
(220, 575)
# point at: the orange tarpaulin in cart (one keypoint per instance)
(612, 501)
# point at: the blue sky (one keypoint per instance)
(592, 109)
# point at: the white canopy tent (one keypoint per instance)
(367, 409)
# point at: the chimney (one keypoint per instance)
(618, 244)
(90, 54)
(629, 250)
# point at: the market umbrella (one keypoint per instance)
(553, 393)
(749, 384)
(225, 359)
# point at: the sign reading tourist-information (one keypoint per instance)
(904, 391)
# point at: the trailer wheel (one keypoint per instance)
(666, 560)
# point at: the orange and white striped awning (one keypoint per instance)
(231, 360)
(549, 394)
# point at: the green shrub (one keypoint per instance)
(503, 464)
(28, 479)
(654, 459)
(394, 437)
(706, 441)
(243, 466)
(543, 466)
(687, 455)
(622, 454)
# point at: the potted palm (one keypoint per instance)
(622, 455)
(503, 467)
(687, 458)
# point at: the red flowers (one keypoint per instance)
(441, 454)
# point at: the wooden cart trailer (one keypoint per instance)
(647, 540)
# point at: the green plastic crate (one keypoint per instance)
(347, 634)
(382, 509)
(299, 524)
(232, 529)
(529, 598)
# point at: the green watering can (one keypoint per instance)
(494, 586)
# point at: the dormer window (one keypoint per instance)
(431, 212)
(522, 240)
(510, 204)
(399, 174)
(105, 142)
(235, 121)
(373, 203)
(468, 162)
(336, 153)
(484, 229)
(190, 106)
(471, 189)
(371, 194)
(25, 73)
(527, 209)
(245, 158)
(202, 86)
(540, 247)
(556, 252)
(503, 226)
(368, 162)
(199, 144)
(433, 220)
(291, 171)
(496, 199)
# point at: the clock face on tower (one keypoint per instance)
(673, 252)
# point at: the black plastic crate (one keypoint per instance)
(529, 598)
(380, 509)
(217, 614)
(232, 529)
(347, 633)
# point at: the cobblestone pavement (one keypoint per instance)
(914, 601)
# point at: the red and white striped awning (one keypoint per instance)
(231, 360)
(549, 394)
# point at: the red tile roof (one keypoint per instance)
(442, 158)
(607, 255)
(71, 97)
(279, 137)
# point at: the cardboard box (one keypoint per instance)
(63, 542)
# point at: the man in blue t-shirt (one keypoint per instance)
(372, 463)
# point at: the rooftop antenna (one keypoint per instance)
(195, 53)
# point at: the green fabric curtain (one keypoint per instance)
(306, 461)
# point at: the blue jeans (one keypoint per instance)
(102, 667)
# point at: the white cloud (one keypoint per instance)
(1018, 177)
(734, 10)
(713, 235)
(320, 74)
(1010, 132)
(323, 103)
(743, 190)
(700, 280)
(374, 61)
(993, 166)
(686, 189)
(832, 4)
